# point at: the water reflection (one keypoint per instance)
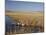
(13, 27)
(26, 30)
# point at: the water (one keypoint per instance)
(27, 30)
(14, 28)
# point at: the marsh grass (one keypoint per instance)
(31, 21)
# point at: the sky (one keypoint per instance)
(23, 6)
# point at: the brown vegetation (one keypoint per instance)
(33, 19)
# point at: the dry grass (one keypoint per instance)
(29, 19)
(34, 19)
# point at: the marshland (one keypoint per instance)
(23, 17)
(20, 23)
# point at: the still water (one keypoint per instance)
(11, 26)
